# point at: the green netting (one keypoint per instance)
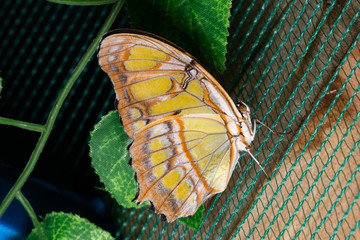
(295, 63)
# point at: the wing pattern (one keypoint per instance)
(186, 130)
(184, 159)
(153, 79)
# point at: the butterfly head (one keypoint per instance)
(247, 128)
(248, 131)
(242, 107)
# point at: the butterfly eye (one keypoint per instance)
(242, 107)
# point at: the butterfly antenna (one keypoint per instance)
(258, 163)
(273, 131)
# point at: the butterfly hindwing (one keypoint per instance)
(182, 160)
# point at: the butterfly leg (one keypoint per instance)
(257, 162)
(254, 129)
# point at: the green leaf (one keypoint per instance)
(108, 150)
(68, 226)
(199, 27)
(110, 159)
(195, 220)
(83, 2)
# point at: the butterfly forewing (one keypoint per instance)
(186, 129)
(153, 79)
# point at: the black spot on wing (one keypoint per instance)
(122, 78)
(163, 217)
(152, 206)
(126, 96)
(114, 68)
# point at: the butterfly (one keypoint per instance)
(187, 132)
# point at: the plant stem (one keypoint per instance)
(24, 125)
(56, 108)
(21, 198)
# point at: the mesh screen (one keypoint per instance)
(295, 63)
